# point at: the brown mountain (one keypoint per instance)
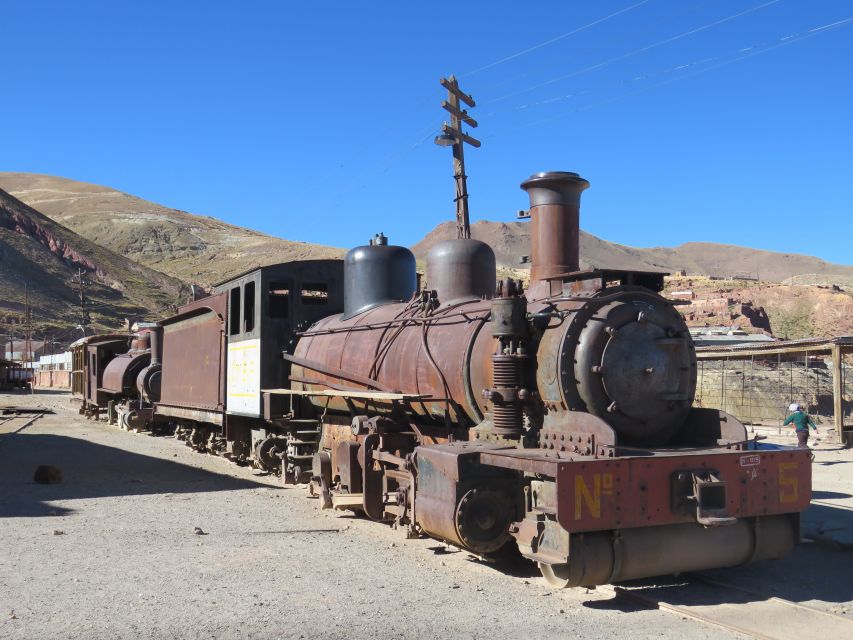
(44, 256)
(193, 248)
(512, 240)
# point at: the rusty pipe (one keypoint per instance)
(554, 219)
(604, 557)
(156, 344)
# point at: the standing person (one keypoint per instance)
(802, 421)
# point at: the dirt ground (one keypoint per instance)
(111, 553)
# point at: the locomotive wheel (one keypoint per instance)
(556, 575)
(265, 453)
(483, 517)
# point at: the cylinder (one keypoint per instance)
(377, 274)
(509, 317)
(120, 373)
(461, 269)
(654, 551)
(507, 417)
(554, 223)
(155, 337)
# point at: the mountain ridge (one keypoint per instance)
(42, 254)
(194, 248)
(180, 247)
(510, 240)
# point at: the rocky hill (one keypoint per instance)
(512, 240)
(195, 249)
(813, 298)
(41, 253)
(787, 311)
(203, 250)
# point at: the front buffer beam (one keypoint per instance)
(590, 521)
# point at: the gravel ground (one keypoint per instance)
(111, 553)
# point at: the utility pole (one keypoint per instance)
(452, 134)
(81, 284)
(28, 345)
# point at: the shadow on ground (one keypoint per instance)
(811, 573)
(91, 471)
(829, 495)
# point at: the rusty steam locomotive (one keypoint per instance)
(559, 418)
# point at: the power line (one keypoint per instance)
(28, 345)
(81, 285)
(672, 69)
(633, 53)
(452, 135)
(395, 156)
(749, 52)
(555, 39)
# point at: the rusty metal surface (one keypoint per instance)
(334, 372)
(599, 558)
(97, 354)
(632, 357)
(710, 427)
(156, 345)
(578, 433)
(590, 353)
(189, 414)
(554, 223)
(595, 495)
(442, 355)
(527, 460)
(121, 372)
(194, 356)
(377, 274)
(461, 269)
(447, 475)
(622, 354)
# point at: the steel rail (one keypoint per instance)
(724, 615)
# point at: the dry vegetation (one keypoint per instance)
(203, 250)
(795, 310)
(44, 255)
(195, 249)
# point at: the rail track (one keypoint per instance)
(16, 419)
(738, 609)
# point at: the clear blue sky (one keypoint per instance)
(314, 121)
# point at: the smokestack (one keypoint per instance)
(555, 198)
(156, 337)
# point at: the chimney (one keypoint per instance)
(156, 337)
(554, 218)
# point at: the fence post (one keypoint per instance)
(838, 393)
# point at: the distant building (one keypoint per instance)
(726, 336)
(53, 371)
(16, 349)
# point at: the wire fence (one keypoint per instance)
(758, 389)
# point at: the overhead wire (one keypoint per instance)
(554, 39)
(635, 52)
(651, 74)
(396, 156)
(748, 52)
(399, 153)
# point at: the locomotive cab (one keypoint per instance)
(266, 308)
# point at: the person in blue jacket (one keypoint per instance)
(802, 421)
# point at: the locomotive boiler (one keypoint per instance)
(561, 416)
